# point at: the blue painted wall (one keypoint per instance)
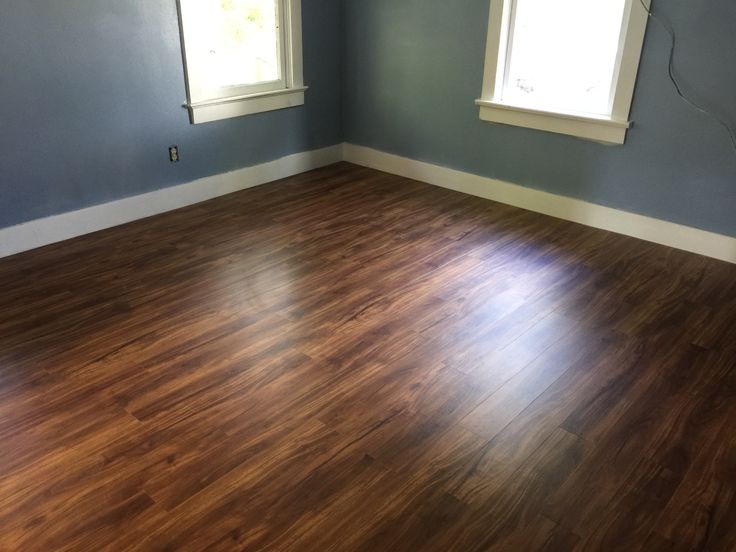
(90, 96)
(414, 67)
(90, 100)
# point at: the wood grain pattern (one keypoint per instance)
(349, 360)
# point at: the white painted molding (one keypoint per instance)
(40, 232)
(228, 108)
(45, 231)
(610, 128)
(621, 222)
(208, 102)
(600, 129)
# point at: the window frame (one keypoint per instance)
(237, 101)
(601, 128)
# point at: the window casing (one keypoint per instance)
(580, 80)
(241, 56)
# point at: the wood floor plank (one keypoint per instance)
(348, 360)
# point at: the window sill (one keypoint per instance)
(600, 129)
(226, 108)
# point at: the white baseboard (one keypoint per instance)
(622, 222)
(40, 232)
(45, 231)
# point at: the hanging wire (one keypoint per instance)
(678, 87)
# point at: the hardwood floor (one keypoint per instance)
(349, 360)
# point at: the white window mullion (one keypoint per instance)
(542, 71)
(510, 25)
(241, 56)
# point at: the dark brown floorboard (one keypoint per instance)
(349, 360)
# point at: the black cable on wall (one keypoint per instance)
(678, 87)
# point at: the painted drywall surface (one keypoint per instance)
(91, 95)
(413, 68)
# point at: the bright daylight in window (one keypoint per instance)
(566, 66)
(563, 54)
(241, 52)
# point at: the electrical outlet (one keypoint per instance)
(174, 154)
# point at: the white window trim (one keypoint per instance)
(291, 94)
(607, 129)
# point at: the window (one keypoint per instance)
(241, 56)
(566, 66)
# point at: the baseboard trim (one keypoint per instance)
(45, 231)
(621, 222)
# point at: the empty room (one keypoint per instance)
(368, 275)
